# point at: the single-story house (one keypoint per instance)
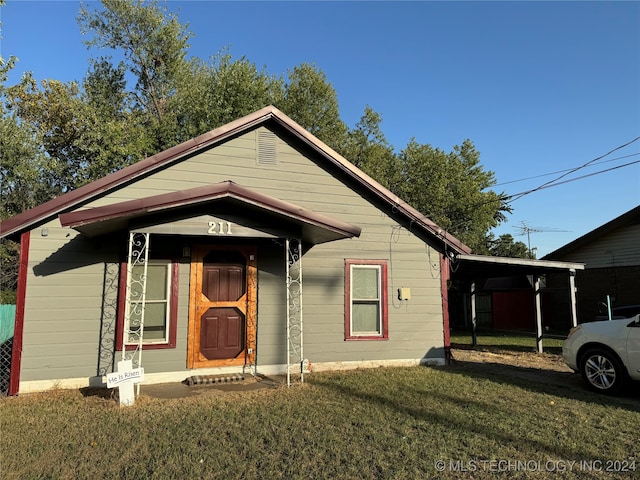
(611, 254)
(252, 248)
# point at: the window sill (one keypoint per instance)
(149, 346)
(359, 338)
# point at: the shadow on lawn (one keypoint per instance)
(513, 348)
(431, 412)
(562, 384)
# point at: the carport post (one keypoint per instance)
(474, 338)
(572, 293)
(538, 314)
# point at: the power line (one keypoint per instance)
(542, 187)
(554, 181)
(507, 199)
(562, 171)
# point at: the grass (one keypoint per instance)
(497, 341)
(387, 423)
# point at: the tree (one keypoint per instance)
(153, 42)
(367, 148)
(91, 129)
(85, 134)
(21, 187)
(211, 95)
(505, 246)
(451, 189)
(311, 101)
(117, 135)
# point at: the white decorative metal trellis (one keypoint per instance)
(295, 353)
(133, 330)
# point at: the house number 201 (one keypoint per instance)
(219, 228)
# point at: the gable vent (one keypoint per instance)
(267, 150)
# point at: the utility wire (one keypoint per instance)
(513, 198)
(510, 198)
(562, 171)
(556, 183)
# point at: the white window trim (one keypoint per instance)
(165, 339)
(352, 300)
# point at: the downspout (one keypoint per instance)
(445, 276)
(16, 352)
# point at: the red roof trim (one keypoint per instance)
(202, 194)
(25, 220)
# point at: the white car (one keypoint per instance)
(606, 353)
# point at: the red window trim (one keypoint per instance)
(347, 300)
(173, 310)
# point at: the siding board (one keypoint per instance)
(67, 269)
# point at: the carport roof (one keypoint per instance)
(474, 267)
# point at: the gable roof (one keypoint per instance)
(631, 217)
(13, 226)
(314, 227)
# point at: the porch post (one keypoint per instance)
(572, 294)
(474, 319)
(133, 331)
(445, 275)
(295, 353)
(536, 286)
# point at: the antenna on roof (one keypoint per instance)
(528, 230)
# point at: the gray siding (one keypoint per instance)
(620, 248)
(65, 304)
(67, 273)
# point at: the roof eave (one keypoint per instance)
(617, 222)
(28, 219)
(114, 215)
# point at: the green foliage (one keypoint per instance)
(9, 258)
(312, 102)
(153, 42)
(451, 189)
(85, 135)
(505, 246)
(7, 297)
(367, 148)
(22, 168)
(211, 95)
(73, 133)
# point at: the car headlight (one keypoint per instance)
(573, 330)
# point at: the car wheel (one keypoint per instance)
(602, 371)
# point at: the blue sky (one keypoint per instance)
(539, 87)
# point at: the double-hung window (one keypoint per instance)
(366, 312)
(159, 303)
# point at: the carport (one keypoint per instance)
(474, 270)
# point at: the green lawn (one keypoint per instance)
(490, 340)
(385, 423)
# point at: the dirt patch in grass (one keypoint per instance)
(541, 361)
(547, 370)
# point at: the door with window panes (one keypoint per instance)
(222, 319)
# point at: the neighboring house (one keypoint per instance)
(611, 254)
(251, 248)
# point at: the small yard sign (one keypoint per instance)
(124, 379)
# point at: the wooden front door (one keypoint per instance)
(222, 319)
